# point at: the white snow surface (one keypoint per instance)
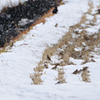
(17, 64)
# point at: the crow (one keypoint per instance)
(55, 10)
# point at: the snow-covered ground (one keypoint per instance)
(17, 64)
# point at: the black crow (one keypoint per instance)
(55, 10)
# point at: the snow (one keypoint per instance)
(17, 64)
(24, 21)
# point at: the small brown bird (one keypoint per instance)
(58, 82)
(86, 37)
(84, 68)
(55, 66)
(48, 57)
(93, 60)
(75, 72)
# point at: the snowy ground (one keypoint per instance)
(17, 64)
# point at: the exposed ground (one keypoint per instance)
(16, 19)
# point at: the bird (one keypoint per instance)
(55, 66)
(55, 10)
(84, 68)
(48, 57)
(75, 72)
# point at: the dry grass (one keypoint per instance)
(90, 4)
(84, 74)
(98, 7)
(70, 45)
(36, 78)
(60, 77)
(94, 19)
